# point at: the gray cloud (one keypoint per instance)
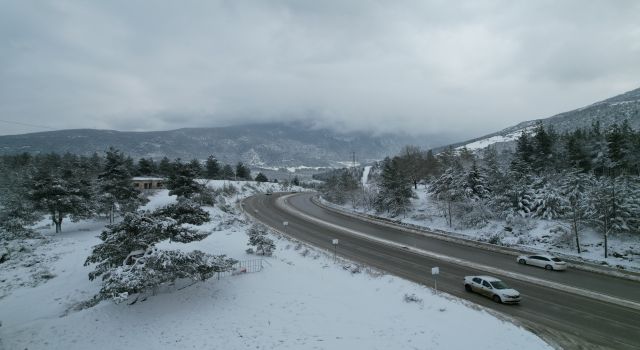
(415, 66)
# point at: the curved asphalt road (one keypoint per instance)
(569, 320)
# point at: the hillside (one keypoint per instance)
(274, 144)
(613, 110)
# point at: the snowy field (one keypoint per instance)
(536, 235)
(301, 299)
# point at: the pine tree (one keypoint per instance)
(540, 147)
(165, 167)
(227, 172)
(576, 152)
(258, 238)
(432, 167)
(476, 187)
(394, 189)
(182, 182)
(548, 201)
(524, 149)
(212, 168)
(62, 190)
(449, 188)
(261, 178)
(117, 193)
(242, 172)
(129, 262)
(574, 188)
(184, 211)
(147, 167)
(196, 167)
(16, 211)
(601, 208)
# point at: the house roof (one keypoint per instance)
(146, 178)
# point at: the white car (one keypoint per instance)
(545, 261)
(492, 288)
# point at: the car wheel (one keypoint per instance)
(522, 261)
(497, 299)
(548, 267)
(467, 288)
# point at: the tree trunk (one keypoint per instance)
(606, 229)
(57, 220)
(575, 230)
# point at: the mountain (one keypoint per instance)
(613, 110)
(268, 145)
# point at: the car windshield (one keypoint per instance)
(556, 259)
(499, 285)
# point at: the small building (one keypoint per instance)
(148, 183)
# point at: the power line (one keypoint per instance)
(27, 124)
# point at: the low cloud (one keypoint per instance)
(420, 67)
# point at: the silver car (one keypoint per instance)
(493, 288)
(545, 261)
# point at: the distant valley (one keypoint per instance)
(270, 146)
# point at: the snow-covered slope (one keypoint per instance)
(302, 299)
(613, 110)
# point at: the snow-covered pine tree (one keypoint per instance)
(147, 167)
(258, 239)
(576, 151)
(227, 172)
(129, 262)
(196, 167)
(541, 148)
(497, 182)
(212, 168)
(548, 201)
(117, 193)
(449, 189)
(574, 187)
(62, 191)
(261, 178)
(165, 167)
(182, 182)
(601, 208)
(157, 267)
(395, 189)
(476, 187)
(242, 172)
(16, 211)
(184, 211)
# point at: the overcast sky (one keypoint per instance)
(418, 66)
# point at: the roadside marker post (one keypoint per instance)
(335, 248)
(435, 271)
(285, 224)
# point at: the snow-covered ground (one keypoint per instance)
(536, 235)
(484, 143)
(302, 299)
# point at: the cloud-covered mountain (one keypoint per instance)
(274, 144)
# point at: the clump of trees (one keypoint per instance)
(587, 177)
(73, 187)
